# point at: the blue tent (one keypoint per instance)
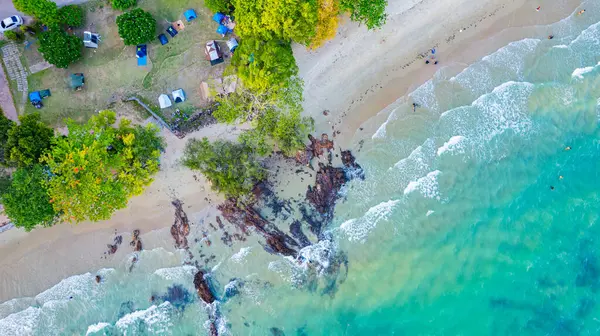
(223, 30)
(163, 39)
(190, 14)
(218, 17)
(172, 31)
(35, 96)
(141, 50)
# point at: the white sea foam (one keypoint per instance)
(429, 213)
(427, 185)
(15, 305)
(155, 319)
(561, 46)
(579, 72)
(179, 273)
(455, 143)
(95, 328)
(358, 229)
(77, 286)
(22, 323)
(318, 254)
(240, 256)
(381, 131)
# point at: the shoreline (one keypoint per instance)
(32, 262)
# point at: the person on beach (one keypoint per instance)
(550, 37)
(581, 12)
(98, 279)
(538, 8)
(415, 105)
(568, 148)
(426, 61)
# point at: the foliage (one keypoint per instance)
(5, 126)
(26, 142)
(123, 4)
(264, 65)
(45, 10)
(223, 6)
(97, 167)
(327, 23)
(232, 168)
(60, 48)
(136, 26)
(71, 15)
(14, 35)
(276, 19)
(26, 201)
(369, 12)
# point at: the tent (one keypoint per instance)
(218, 17)
(232, 44)
(90, 40)
(213, 53)
(179, 96)
(172, 31)
(77, 81)
(223, 30)
(163, 39)
(141, 52)
(190, 15)
(164, 101)
(35, 97)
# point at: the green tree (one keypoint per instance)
(232, 168)
(264, 65)
(26, 200)
(45, 10)
(276, 19)
(123, 4)
(60, 48)
(136, 26)
(71, 15)
(5, 126)
(97, 167)
(369, 12)
(14, 35)
(223, 6)
(27, 141)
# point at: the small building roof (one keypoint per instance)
(178, 96)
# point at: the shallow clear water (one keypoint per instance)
(455, 230)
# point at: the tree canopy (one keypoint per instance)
(223, 6)
(26, 142)
(71, 15)
(327, 22)
(5, 126)
(45, 10)
(369, 12)
(97, 167)
(123, 4)
(264, 65)
(276, 19)
(231, 167)
(136, 26)
(60, 48)
(26, 200)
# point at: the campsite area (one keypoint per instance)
(112, 73)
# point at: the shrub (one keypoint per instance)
(60, 48)
(136, 26)
(27, 141)
(13, 35)
(45, 10)
(369, 12)
(71, 15)
(123, 4)
(223, 6)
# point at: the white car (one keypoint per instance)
(10, 23)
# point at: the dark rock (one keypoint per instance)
(296, 231)
(203, 288)
(181, 226)
(277, 332)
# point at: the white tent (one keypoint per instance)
(178, 96)
(164, 101)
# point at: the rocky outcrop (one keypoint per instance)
(136, 241)
(181, 226)
(316, 148)
(203, 288)
(328, 183)
(353, 168)
(245, 216)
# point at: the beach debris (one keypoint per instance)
(181, 227)
(202, 287)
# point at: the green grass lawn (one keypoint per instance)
(111, 71)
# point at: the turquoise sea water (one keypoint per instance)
(455, 230)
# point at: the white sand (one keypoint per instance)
(354, 76)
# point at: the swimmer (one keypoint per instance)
(551, 187)
(581, 12)
(560, 177)
(550, 37)
(568, 148)
(98, 278)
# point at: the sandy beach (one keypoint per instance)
(354, 76)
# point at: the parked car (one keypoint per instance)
(10, 23)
